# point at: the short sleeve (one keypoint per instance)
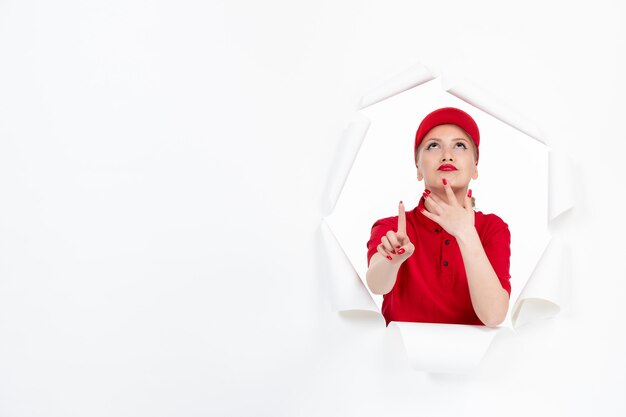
(496, 241)
(380, 229)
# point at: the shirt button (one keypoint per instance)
(445, 263)
(447, 241)
(436, 230)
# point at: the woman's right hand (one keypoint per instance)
(396, 246)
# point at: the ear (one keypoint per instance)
(420, 175)
(475, 174)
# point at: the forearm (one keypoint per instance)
(381, 275)
(490, 300)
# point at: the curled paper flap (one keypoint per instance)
(541, 297)
(347, 292)
(561, 196)
(347, 150)
(488, 103)
(445, 348)
(412, 77)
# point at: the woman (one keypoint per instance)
(442, 262)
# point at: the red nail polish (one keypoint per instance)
(388, 257)
(425, 195)
(401, 251)
(393, 251)
(444, 181)
(469, 193)
(421, 209)
(427, 191)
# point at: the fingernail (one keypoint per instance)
(425, 195)
(388, 257)
(401, 251)
(398, 247)
(393, 251)
(427, 191)
(469, 193)
(444, 181)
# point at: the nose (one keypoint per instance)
(447, 156)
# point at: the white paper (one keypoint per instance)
(412, 77)
(561, 197)
(541, 297)
(445, 348)
(347, 150)
(347, 292)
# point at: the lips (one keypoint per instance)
(447, 167)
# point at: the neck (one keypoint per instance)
(441, 194)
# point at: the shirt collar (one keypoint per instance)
(425, 221)
(432, 225)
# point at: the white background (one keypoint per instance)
(162, 167)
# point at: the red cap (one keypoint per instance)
(448, 115)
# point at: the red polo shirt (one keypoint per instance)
(431, 285)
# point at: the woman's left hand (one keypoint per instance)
(450, 215)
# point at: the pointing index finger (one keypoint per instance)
(401, 218)
(449, 192)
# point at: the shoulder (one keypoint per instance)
(490, 218)
(490, 223)
(380, 228)
(385, 222)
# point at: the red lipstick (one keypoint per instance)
(447, 167)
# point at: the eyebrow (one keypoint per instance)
(439, 140)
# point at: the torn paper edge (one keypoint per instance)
(407, 79)
(561, 187)
(347, 151)
(489, 103)
(541, 297)
(442, 353)
(347, 289)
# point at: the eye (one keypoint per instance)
(431, 144)
(462, 144)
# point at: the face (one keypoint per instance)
(450, 145)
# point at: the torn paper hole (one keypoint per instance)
(514, 165)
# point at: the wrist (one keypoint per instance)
(467, 235)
